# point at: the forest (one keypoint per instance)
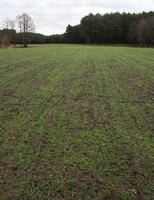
(110, 28)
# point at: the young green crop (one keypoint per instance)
(76, 123)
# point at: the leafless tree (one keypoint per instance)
(142, 32)
(4, 40)
(26, 26)
(9, 24)
(145, 31)
(8, 33)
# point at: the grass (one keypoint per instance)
(76, 123)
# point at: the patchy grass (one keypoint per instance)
(76, 123)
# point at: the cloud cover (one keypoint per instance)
(52, 16)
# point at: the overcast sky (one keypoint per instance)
(52, 16)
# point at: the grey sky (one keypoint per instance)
(52, 16)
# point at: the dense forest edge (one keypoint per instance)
(110, 28)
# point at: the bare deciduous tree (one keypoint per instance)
(4, 40)
(8, 34)
(145, 31)
(26, 26)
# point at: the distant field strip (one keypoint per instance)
(76, 123)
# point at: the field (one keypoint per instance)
(76, 123)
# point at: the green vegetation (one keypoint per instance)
(109, 28)
(76, 123)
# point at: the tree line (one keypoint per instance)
(25, 27)
(110, 28)
(113, 28)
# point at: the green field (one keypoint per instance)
(76, 123)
